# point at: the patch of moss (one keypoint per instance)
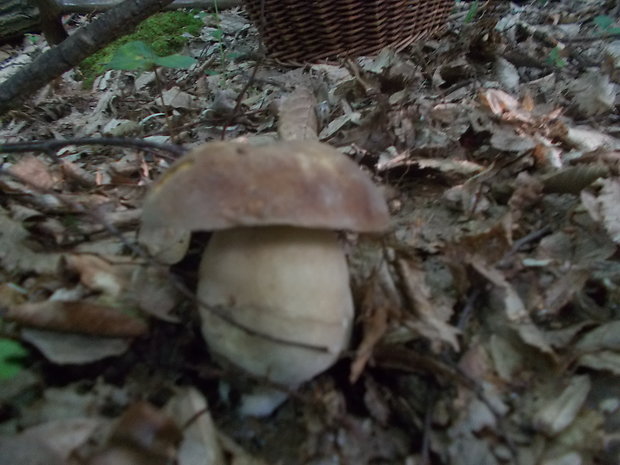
(162, 31)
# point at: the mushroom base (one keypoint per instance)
(285, 284)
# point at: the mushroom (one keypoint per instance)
(273, 283)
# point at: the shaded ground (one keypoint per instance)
(487, 329)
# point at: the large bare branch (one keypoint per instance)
(20, 16)
(111, 25)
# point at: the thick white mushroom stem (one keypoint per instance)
(289, 284)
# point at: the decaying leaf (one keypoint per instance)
(594, 94)
(165, 245)
(508, 140)
(514, 308)
(504, 105)
(609, 199)
(200, 444)
(62, 348)
(585, 138)
(604, 360)
(297, 117)
(50, 443)
(128, 283)
(97, 274)
(143, 436)
(573, 179)
(604, 337)
(375, 311)
(558, 412)
(430, 318)
(33, 171)
(80, 317)
(17, 256)
(176, 98)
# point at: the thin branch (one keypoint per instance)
(240, 98)
(53, 145)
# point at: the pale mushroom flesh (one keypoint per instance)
(274, 264)
(288, 286)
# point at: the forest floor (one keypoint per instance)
(488, 316)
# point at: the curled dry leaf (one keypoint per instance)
(610, 208)
(593, 93)
(560, 411)
(96, 273)
(583, 138)
(573, 179)
(166, 245)
(128, 283)
(63, 348)
(47, 444)
(375, 309)
(508, 140)
(505, 106)
(152, 290)
(513, 307)
(430, 318)
(200, 444)
(604, 337)
(176, 98)
(81, 317)
(605, 360)
(15, 254)
(143, 436)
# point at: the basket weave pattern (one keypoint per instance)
(310, 30)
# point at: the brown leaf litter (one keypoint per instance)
(487, 318)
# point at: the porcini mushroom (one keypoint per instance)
(274, 263)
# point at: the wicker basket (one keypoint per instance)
(310, 30)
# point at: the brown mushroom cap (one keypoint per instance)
(221, 185)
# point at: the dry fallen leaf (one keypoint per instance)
(33, 171)
(62, 348)
(559, 411)
(297, 118)
(593, 93)
(48, 443)
(505, 106)
(431, 318)
(604, 337)
(200, 444)
(81, 317)
(514, 308)
(604, 360)
(97, 274)
(142, 436)
(375, 311)
(15, 254)
(609, 199)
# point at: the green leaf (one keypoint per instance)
(217, 34)
(604, 22)
(555, 58)
(10, 351)
(471, 13)
(176, 61)
(133, 56)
